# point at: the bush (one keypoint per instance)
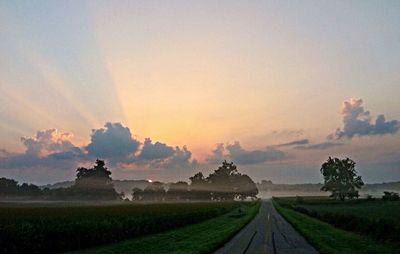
(390, 196)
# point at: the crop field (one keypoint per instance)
(377, 220)
(45, 229)
(199, 238)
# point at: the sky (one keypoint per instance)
(164, 89)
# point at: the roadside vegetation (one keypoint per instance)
(203, 237)
(375, 218)
(328, 239)
(343, 223)
(25, 229)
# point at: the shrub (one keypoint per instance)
(390, 196)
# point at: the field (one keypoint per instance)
(44, 229)
(362, 226)
(203, 237)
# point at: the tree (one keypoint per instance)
(177, 191)
(94, 183)
(8, 187)
(30, 190)
(154, 192)
(199, 187)
(244, 186)
(391, 196)
(340, 178)
(137, 194)
(226, 183)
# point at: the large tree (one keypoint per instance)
(340, 178)
(178, 191)
(226, 183)
(199, 187)
(154, 192)
(94, 183)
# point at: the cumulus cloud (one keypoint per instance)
(358, 122)
(45, 149)
(47, 142)
(112, 142)
(155, 151)
(217, 155)
(239, 155)
(295, 142)
(115, 143)
(181, 158)
(319, 146)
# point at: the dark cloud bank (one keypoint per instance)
(114, 142)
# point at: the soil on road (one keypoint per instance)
(267, 233)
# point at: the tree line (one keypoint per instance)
(95, 183)
(225, 183)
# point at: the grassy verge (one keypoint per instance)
(330, 240)
(203, 237)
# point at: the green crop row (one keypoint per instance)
(54, 229)
(364, 217)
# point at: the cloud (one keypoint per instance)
(112, 142)
(46, 149)
(239, 155)
(295, 142)
(51, 149)
(181, 158)
(116, 144)
(358, 122)
(47, 141)
(217, 155)
(319, 146)
(155, 151)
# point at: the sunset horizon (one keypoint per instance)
(163, 90)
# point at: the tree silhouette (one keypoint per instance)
(340, 178)
(226, 183)
(221, 181)
(154, 192)
(199, 187)
(137, 194)
(178, 191)
(94, 182)
(8, 187)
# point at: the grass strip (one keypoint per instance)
(330, 240)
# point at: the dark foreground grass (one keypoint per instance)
(203, 237)
(330, 240)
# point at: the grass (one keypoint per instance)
(203, 237)
(388, 210)
(44, 229)
(375, 218)
(330, 240)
